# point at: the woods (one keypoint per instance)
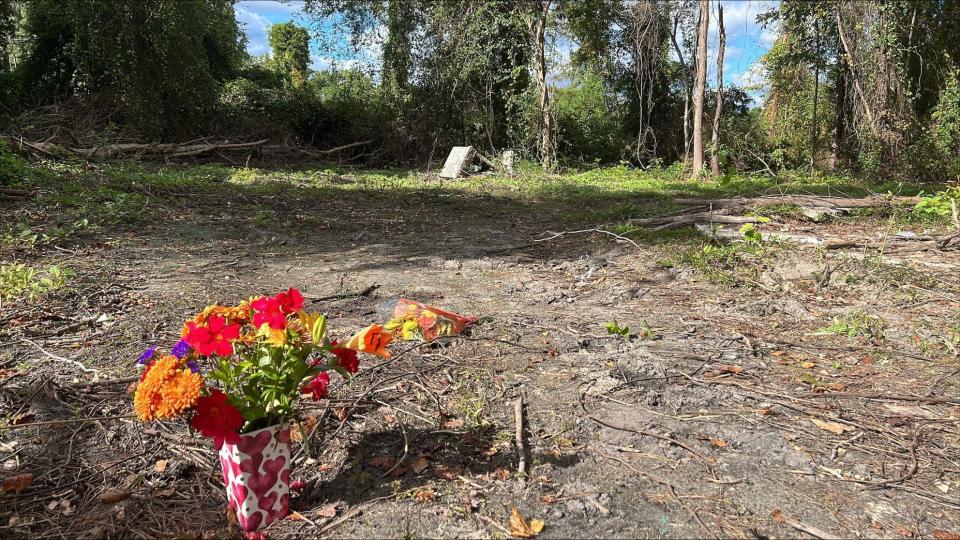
(866, 87)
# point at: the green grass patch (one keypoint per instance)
(856, 323)
(21, 281)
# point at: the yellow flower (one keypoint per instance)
(371, 340)
(277, 338)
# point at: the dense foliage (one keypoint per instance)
(868, 86)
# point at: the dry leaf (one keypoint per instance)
(719, 443)
(447, 472)
(777, 516)
(164, 493)
(837, 386)
(327, 511)
(832, 427)
(502, 473)
(521, 529)
(18, 483)
(728, 368)
(490, 452)
(160, 465)
(295, 516)
(452, 423)
(302, 430)
(20, 419)
(341, 413)
(424, 495)
(904, 531)
(383, 462)
(548, 499)
(419, 464)
(808, 365)
(111, 496)
(777, 353)
(940, 534)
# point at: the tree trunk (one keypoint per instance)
(547, 146)
(686, 94)
(715, 140)
(699, 87)
(815, 127)
(840, 104)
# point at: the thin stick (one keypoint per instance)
(60, 358)
(521, 447)
(584, 231)
(809, 529)
(70, 421)
(342, 296)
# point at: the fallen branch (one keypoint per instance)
(521, 446)
(315, 153)
(60, 358)
(808, 201)
(112, 150)
(673, 222)
(343, 296)
(804, 527)
(554, 236)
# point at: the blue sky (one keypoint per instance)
(746, 40)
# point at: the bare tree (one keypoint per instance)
(715, 140)
(686, 90)
(538, 28)
(699, 87)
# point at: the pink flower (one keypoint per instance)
(267, 310)
(214, 338)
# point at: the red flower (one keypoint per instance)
(267, 310)
(214, 337)
(216, 418)
(318, 386)
(290, 301)
(347, 358)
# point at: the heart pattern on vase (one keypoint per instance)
(256, 474)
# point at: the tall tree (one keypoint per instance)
(699, 87)
(715, 138)
(539, 18)
(290, 44)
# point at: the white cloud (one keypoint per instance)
(255, 26)
(268, 8)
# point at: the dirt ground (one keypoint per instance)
(731, 410)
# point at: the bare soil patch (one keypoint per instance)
(819, 394)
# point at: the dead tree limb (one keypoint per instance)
(810, 201)
(673, 222)
(112, 150)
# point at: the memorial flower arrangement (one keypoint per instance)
(410, 320)
(238, 373)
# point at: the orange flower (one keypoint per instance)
(167, 390)
(371, 340)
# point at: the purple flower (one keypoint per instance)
(192, 364)
(147, 355)
(180, 349)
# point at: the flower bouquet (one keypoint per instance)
(410, 320)
(238, 373)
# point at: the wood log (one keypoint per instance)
(112, 150)
(673, 222)
(809, 201)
